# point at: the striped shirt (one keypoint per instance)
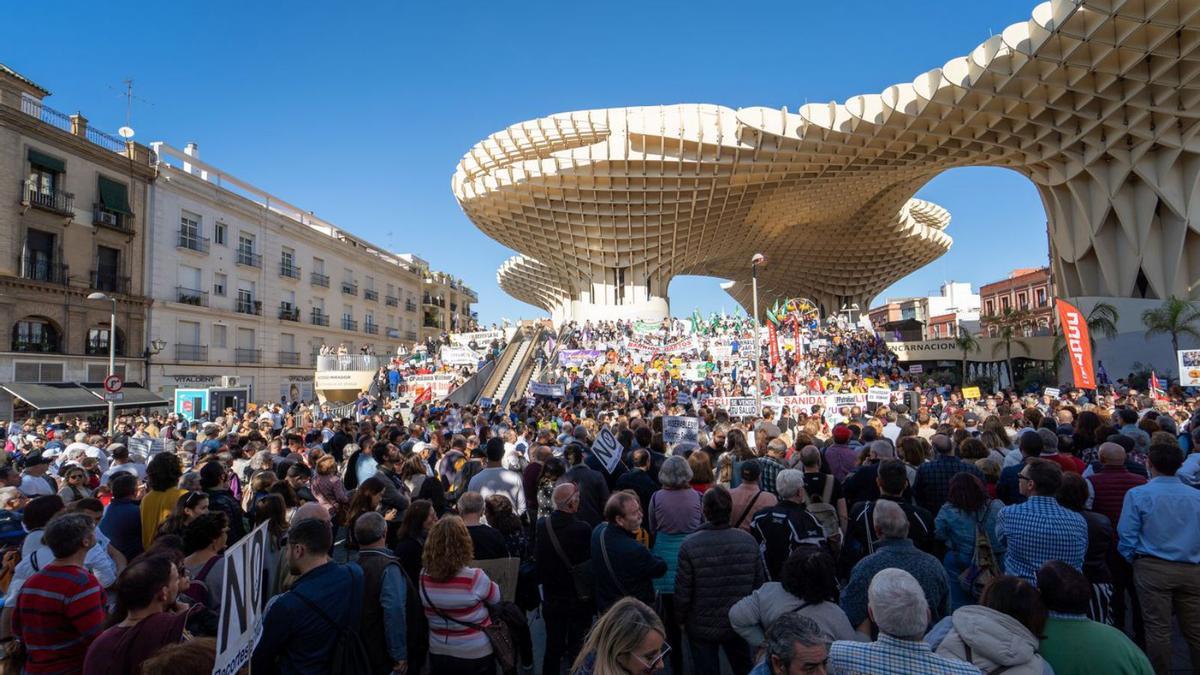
(60, 610)
(463, 597)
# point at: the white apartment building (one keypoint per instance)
(246, 285)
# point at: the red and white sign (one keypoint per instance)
(113, 383)
(1079, 344)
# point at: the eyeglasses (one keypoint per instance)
(666, 649)
(1022, 476)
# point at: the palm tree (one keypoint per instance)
(1009, 332)
(966, 342)
(1102, 319)
(1174, 317)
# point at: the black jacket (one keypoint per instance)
(861, 539)
(780, 529)
(641, 483)
(632, 564)
(593, 493)
(717, 567)
(574, 536)
(222, 500)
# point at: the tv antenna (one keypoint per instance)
(126, 131)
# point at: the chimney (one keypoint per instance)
(193, 150)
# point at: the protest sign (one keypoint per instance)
(459, 356)
(739, 406)
(485, 402)
(577, 358)
(545, 389)
(607, 450)
(970, 392)
(879, 395)
(681, 429)
(148, 446)
(239, 623)
(916, 369)
(478, 339)
(1052, 392)
(683, 398)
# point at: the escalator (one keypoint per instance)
(514, 368)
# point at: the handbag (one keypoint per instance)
(983, 568)
(497, 632)
(582, 574)
(608, 563)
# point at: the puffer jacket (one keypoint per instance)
(995, 640)
(717, 567)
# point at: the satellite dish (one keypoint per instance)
(125, 132)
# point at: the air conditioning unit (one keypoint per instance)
(228, 381)
(108, 218)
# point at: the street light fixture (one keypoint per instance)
(755, 261)
(112, 352)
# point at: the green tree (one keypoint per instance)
(1101, 320)
(968, 343)
(1174, 317)
(1009, 325)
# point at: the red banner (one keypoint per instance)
(773, 343)
(1079, 344)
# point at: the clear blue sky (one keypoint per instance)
(360, 115)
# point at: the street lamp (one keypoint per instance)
(112, 352)
(755, 261)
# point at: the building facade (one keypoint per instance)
(445, 301)
(72, 221)
(248, 286)
(941, 315)
(1028, 293)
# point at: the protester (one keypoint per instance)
(456, 598)
(628, 638)
(384, 623)
(203, 541)
(623, 566)
(933, 478)
(145, 592)
(1000, 634)
(748, 497)
(162, 478)
(794, 643)
(781, 528)
(122, 521)
(563, 544)
(967, 511)
(1040, 529)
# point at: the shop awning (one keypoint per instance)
(74, 397)
(46, 161)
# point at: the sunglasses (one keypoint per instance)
(662, 654)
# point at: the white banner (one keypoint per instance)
(459, 356)
(740, 406)
(681, 429)
(879, 395)
(804, 402)
(545, 389)
(481, 339)
(240, 622)
(677, 347)
(440, 384)
(607, 450)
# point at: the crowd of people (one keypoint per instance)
(1015, 532)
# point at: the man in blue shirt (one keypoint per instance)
(1040, 530)
(1158, 532)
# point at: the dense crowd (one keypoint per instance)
(1014, 532)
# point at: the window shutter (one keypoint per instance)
(114, 196)
(47, 162)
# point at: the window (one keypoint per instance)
(319, 265)
(96, 372)
(189, 225)
(35, 334)
(188, 332)
(45, 174)
(39, 258)
(288, 298)
(1041, 297)
(221, 234)
(370, 283)
(220, 336)
(991, 309)
(1004, 304)
(34, 371)
(97, 342)
(245, 337)
(112, 207)
(1022, 300)
(220, 283)
(107, 275)
(245, 243)
(288, 257)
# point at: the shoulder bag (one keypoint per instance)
(582, 575)
(497, 632)
(746, 511)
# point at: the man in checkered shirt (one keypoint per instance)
(1039, 530)
(898, 607)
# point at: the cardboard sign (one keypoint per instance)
(607, 449)
(879, 395)
(681, 429)
(459, 356)
(239, 624)
(683, 398)
(148, 446)
(970, 393)
(1052, 392)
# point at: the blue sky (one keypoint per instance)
(360, 115)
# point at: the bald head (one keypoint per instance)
(1112, 454)
(564, 497)
(313, 511)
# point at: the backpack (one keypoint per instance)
(198, 590)
(983, 568)
(348, 655)
(826, 513)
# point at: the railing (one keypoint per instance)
(349, 362)
(372, 328)
(369, 294)
(391, 301)
(249, 258)
(247, 355)
(289, 313)
(40, 269)
(45, 346)
(110, 282)
(106, 141)
(58, 201)
(319, 318)
(287, 269)
(111, 219)
(191, 296)
(193, 242)
(36, 109)
(289, 358)
(435, 302)
(319, 279)
(191, 352)
(249, 307)
(410, 306)
(349, 324)
(349, 288)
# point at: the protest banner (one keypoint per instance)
(459, 356)
(239, 623)
(149, 446)
(545, 389)
(607, 450)
(879, 395)
(478, 339)
(578, 358)
(677, 347)
(681, 429)
(432, 387)
(737, 406)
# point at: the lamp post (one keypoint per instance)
(112, 352)
(757, 260)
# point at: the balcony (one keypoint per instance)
(371, 328)
(37, 266)
(247, 355)
(191, 296)
(431, 323)
(348, 362)
(110, 282)
(410, 306)
(121, 222)
(289, 358)
(248, 258)
(370, 294)
(319, 318)
(349, 288)
(434, 302)
(191, 352)
(192, 242)
(349, 324)
(54, 201)
(253, 307)
(288, 313)
(391, 301)
(287, 269)
(318, 279)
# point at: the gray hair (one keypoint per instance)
(369, 528)
(470, 503)
(7, 494)
(789, 484)
(898, 603)
(883, 449)
(65, 533)
(890, 520)
(786, 631)
(1049, 440)
(675, 472)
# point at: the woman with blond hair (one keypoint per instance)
(629, 638)
(456, 599)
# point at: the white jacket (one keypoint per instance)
(995, 641)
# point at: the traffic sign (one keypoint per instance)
(114, 396)
(113, 383)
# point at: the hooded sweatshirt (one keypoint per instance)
(995, 640)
